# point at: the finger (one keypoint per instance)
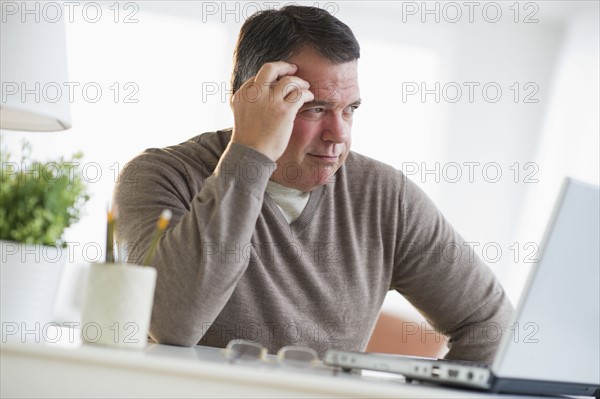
(288, 84)
(270, 72)
(291, 80)
(251, 89)
(294, 79)
(299, 97)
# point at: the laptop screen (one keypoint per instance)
(555, 331)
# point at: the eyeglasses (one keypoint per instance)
(295, 356)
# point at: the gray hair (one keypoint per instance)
(275, 35)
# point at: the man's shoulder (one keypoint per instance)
(210, 142)
(202, 151)
(373, 175)
(369, 179)
(361, 165)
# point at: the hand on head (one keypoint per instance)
(265, 106)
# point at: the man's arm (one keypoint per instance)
(450, 285)
(199, 259)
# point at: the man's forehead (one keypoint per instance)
(330, 84)
(326, 78)
(343, 76)
(313, 67)
(331, 91)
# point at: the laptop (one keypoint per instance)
(557, 350)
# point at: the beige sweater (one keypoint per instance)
(230, 266)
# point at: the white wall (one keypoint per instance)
(177, 50)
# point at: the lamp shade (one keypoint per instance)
(33, 73)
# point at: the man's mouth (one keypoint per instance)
(326, 157)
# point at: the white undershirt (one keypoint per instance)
(290, 201)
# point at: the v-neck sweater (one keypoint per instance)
(290, 201)
(230, 266)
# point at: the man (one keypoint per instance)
(283, 236)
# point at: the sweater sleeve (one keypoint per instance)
(199, 259)
(447, 282)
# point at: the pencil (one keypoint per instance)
(115, 241)
(110, 235)
(161, 225)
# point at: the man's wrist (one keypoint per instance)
(246, 166)
(259, 147)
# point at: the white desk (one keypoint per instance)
(43, 370)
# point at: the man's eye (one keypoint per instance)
(350, 109)
(317, 110)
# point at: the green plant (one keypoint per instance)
(38, 201)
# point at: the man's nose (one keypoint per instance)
(335, 129)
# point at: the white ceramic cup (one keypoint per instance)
(30, 276)
(117, 305)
